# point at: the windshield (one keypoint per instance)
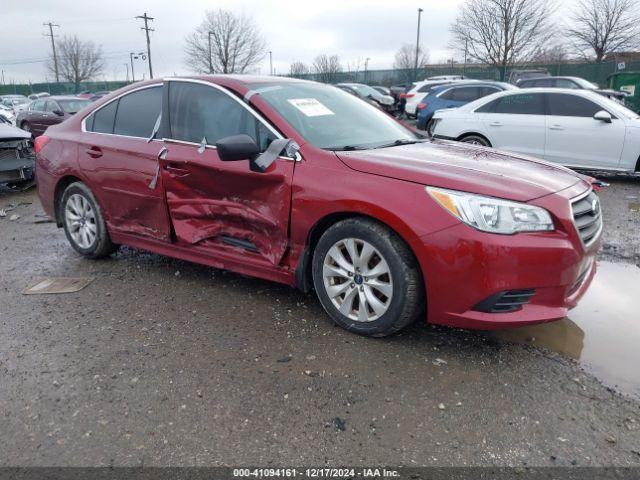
(333, 119)
(73, 106)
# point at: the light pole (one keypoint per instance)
(366, 64)
(133, 55)
(210, 54)
(270, 62)
(415, 67)
(127, 65)
(466, 45)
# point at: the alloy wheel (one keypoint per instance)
(357, 280)
(81, 221)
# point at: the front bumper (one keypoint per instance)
(464, 267)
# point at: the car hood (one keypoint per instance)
(9, 132)
(465, 167)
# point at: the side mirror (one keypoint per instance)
(237, 147)
(60, 113)
(603, 116)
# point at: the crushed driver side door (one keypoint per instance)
(221, 206)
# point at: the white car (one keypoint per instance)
(575, 128)
(421, 90)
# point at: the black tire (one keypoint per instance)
(26, 126)
(429, 127)
(407, 299)
(476, 140)
(102, 245)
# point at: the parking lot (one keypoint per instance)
(163, 362)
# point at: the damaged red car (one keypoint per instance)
(304, 184)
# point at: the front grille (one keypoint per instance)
(587, 216)
(505, 302)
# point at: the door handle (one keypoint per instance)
(496, 124)
(94, 152)
(556, 127)
(176, 171)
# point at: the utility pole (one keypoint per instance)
(146, 28)
(53, 47)
(127, 65)
(415, 68)
(210, 54)
(270, 62)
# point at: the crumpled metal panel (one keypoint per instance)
(211, 199)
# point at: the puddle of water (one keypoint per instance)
(602, 332)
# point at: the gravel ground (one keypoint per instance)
(161, 362)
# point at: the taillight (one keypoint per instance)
(409, 95)
(421, 106)
(40, 142)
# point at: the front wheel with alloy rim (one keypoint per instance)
(476, 140)
(84, 223)
(367, 278)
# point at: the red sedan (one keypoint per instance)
(303, 184)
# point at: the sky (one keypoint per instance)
(294, 30)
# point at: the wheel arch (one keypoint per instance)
(61, 186)
(475, 134)
(303, 274)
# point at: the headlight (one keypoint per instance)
(492, 214)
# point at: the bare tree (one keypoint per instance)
(225, 43)
(327, 68)
(551, 55)
(405, 60)
(78, 61)
(601, 27)
(502, 33)
(298, 69)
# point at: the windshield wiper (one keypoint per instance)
(397, 143)
(345, 148)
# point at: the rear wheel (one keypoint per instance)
(476, 140)
(26, 126)
(84, 223)
(367, 278)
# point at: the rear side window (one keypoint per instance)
(521, 104)
(564, 83)
(137, 112)
(565, 105)
(198, 111)
(50, 106)
(463, 94)
(102, 120)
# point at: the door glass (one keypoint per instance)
(564, 83)
(137, 112)
(37, 106)
(484, 91)
(565, 105)
(102, 120)
(521, 104)
(198, 111)
(50, 106)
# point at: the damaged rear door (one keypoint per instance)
(216, 205)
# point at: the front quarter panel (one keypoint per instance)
(324, 186)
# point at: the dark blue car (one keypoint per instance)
(454, 95)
